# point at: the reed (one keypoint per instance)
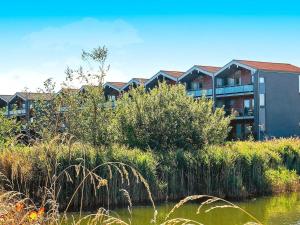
(232, 171)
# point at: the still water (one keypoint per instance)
(276, 210)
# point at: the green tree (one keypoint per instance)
(83, 114)
(9, 128)
(165, 118)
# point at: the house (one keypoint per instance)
(133, 83)
(4, 100)
(170, 77)
(112, 90)
(199, 80)
(21, 104)
(262, 97)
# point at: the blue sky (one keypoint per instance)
(39, 39)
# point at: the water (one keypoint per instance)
(277, 210)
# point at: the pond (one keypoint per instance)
(276, 210)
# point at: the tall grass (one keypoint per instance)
(234, 170)
(17, 209)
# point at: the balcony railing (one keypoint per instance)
(199, 93)
(17, 112)
(239, 112)
(234, 89)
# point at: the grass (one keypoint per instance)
(75, 176)
(17, 209)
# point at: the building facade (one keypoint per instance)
(262, 98)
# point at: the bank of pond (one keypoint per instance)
(235, 171)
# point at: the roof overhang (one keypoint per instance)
(239, 64)
(16, 95)
(195, 68)
(107, 84)
(5, 100)
(129, 83)
(160, 73)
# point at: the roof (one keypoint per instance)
(174, 74)
(208, 70)
(68, 90)
(33, 96)
(117, 85)
(211, 69)
(284, 67)
(140, 80)
(5, 97)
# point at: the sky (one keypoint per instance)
(39, 39)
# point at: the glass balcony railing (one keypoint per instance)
(239, 112)
(234, 89)
(199, 93)
(17, 112)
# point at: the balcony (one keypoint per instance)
(199, 93)
(17, 112)
(231, 90)
(240, 113)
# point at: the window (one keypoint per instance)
(195, 85)
(262, 100)
(252, 79)
(238, 81)
(239, 131)
(230, 82)
(247, 103)
(262, 80)
(219, 82)
(112, 97)
(248, 107)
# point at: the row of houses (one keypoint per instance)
(262, 97)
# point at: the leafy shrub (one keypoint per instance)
(165, 118)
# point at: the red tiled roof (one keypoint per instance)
(211, 69)
(117, 84)
(141, 80)
(284, 67)
(175, 74)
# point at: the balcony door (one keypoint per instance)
(248, 106)
(196, 85)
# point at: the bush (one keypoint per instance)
(165, 118)
(282, 180)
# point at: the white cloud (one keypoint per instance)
(86, 33)
(47, 52)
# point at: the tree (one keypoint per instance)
(82, 113)
(9, 127)
(165, 118)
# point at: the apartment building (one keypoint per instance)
(262, 98)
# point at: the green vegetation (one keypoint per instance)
(233, 170)
(8, 129)
(166, 119)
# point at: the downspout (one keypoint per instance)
(258, 105)
(213, 91)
